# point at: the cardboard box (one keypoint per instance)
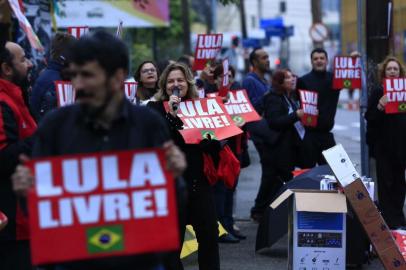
(317, 229)
(365, 209)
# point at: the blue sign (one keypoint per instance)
(255, 42)
(279, 32)
(275, 22)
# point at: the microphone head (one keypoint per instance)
(176, 91)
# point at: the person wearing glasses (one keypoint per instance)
(147, 77)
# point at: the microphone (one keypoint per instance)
(175, 92)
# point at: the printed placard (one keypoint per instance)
(207, 48)
(130, 90)
(308, 102)
(65, 93)
(78, 31)
(205, 118)
(395, 90)
(239, 107)
(88, 206)
(347, 72)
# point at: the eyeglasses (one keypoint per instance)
(145, 71)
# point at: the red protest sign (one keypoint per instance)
(395, 90)
(239, 107)
(203, 118)
(400, 238)
(65, 93)
(207, 48)
(308, 101)
(347, 72)
(78, 31)
(87, 206)
(130, 90)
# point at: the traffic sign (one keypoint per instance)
(318, 32)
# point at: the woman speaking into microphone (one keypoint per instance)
(176, 83)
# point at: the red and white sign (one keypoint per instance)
(225, 84)
(205, 118)
(130, 90)
(395, 90)
(78, 31)
(239, 107)
(65, 93)
(400, 238)
(309, 101)
(347, 72)
(207, 48)
(88, 206)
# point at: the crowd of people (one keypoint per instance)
(102, 119)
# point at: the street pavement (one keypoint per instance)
(242, 256)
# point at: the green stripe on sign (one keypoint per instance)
(105, 239)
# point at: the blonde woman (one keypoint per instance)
(200, 206)
(386, 137)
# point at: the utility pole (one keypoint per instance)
(374, 44)
(244, 31)
(316, 18)
(214, 16)
(186, 27)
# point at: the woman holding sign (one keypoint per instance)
(283, 117)
(386, 137)
(176, 84)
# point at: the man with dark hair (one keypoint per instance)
(256, 86)
(255, 82)
(319, 138)
(16, 130)
(101, 120)
(43, 96)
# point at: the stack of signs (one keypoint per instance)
(239, 107)
(205, 118)
(65, 93)
(347, 72)
(225, 84)
(130, 90)
(395, 90)
(88, 206)
(308, 101)
(207, 49)
(78, 31)
(365, 209)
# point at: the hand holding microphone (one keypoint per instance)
(174, 100)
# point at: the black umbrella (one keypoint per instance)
(274, 224)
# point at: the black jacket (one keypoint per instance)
(68, 131)
(284, 135)
(386, 133)
(322, 83)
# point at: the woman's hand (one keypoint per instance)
(300, 113)
(22, 178)
(173, 100)
(382, 102)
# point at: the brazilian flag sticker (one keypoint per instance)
(105, 239)
(238, 120)
(309, 119)
(347, 83)
(402, 107)
(208, 134)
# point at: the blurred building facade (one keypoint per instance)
(349, 27)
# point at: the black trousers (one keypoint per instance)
(271, 179)
(201, 214)
(15, 255)
(391, 188)
(313, 144)
(224, 205)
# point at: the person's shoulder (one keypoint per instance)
(305, 76)
(59, 116)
